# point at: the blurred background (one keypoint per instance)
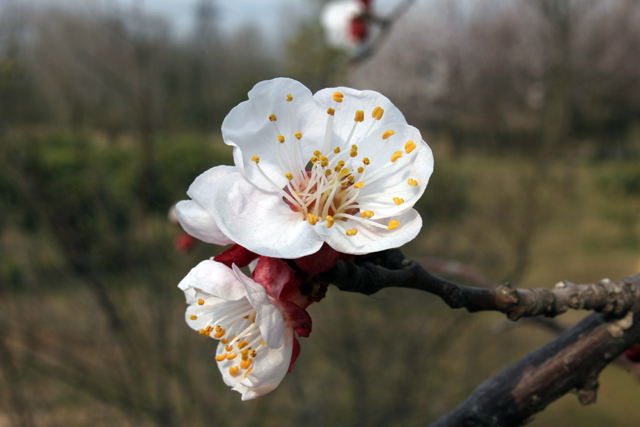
(109, 110)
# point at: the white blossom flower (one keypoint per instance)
(341, 166)
(343, 23)
(255, 330)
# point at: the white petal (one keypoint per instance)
(371, 239)
(214, 279)
(269, 318)
(345, 112)
(267, 370)
(248, 129)
(195, 215)
(392, 178)
(261, 221)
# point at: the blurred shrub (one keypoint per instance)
(621, 181)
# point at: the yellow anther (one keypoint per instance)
(289, 97)
(253, 353)
(234, 370)
(360, 169)
(281, 139)
(350, 179)
(387, 134)
(353, 153)
(289, 176)
(344, 172)
(245, 356)
(228, 347)
(412, 182)
(359, 116)
(193, 317)
(336, 150)
(242, 345)
(327, 172)
(341, 163)
(208, 328)
(314, 160)
(244, 353)
(337, 168)
(248, 372)
(298, 135)
(366, 214)
(224, 341)
(222, 357)
(409, 146)
(344, 184)
(331, 111)
(255, 159)
(323, 158)
(393, 224)
(352, 232)
(316, 153)
(254, 318)
(337, 96)
(272, 117)
(358, 184)
(200, 301)
(231, 356)
(218, 328)
(246, 363)
(396, 156)
(246, 317)
(329, 219)
(313, 220)
(202, 332)
(354, 147)
(262, 343)
(377, 113)
(219, 335)
(297, 194)
(366, 161)
(398, 201)
(324, 163)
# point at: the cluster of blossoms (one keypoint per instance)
(316, 178)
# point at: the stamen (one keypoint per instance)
(396, 156)
(231, 356)
(272, 117)
(387, 134)
(398, 201)
(360, 169)
(358, 184)
(248, 372)
(366, 214)
(412, 182)
(289, 97)
(200, 301)
(327, 172)
(313, 220)
(242, 345)
(314, 160)
(228, 347)
(289, 176)
(336, 150)
(281, 139)
(233, 371)
(193, 317)
(221, 358)
(246, 363)
(377, 113)
(224, 341)
(352, 232)
(298, 135)
(337, 96)
(331, 111)
(409, 146)
(366, 161)
(255, 159)
(359, 116)
(329, 219)
(316, 153)
(393, 224)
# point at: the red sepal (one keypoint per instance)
(321, 261)
(294, 354)
(358, 29)
(237, 255)
(633, 353)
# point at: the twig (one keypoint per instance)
(391, 269)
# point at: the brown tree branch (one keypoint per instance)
(572, 361)
(390, 269)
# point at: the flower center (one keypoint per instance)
(326, 188)
(233, 323)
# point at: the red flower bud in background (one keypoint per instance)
(184, 242)
(633, 353)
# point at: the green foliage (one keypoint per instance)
(624, 180)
